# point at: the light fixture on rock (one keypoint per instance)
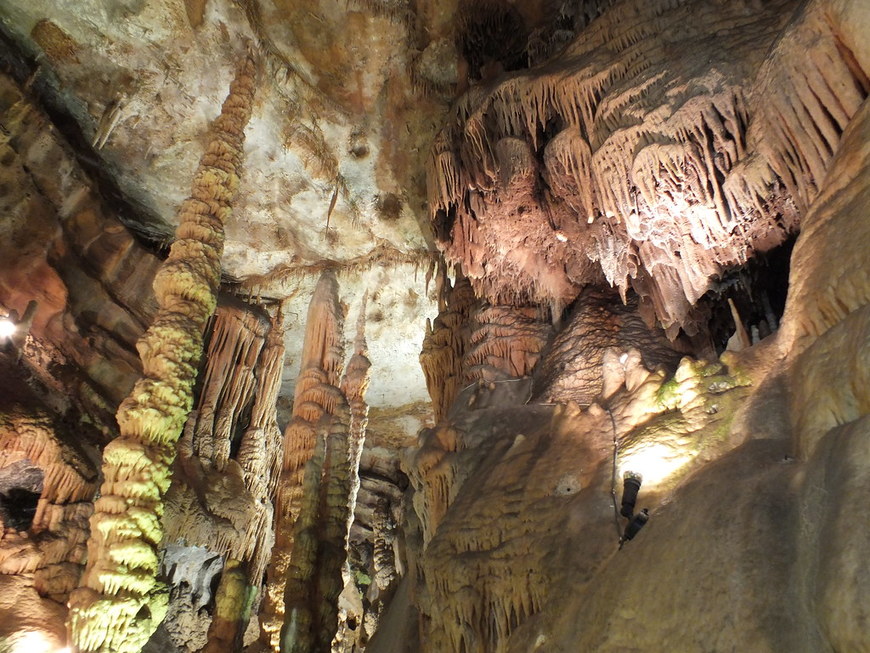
(634, 526)
(631, 483)
(7, 327)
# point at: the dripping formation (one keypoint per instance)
(646, 234)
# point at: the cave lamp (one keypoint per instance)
(7, 327)
(631, 483)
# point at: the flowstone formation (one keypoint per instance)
(119, 603)
(654, 153)
(227, 470)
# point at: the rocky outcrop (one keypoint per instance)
(65, 247)
(599, 334)
(47, 480)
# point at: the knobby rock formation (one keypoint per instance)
(119, 602)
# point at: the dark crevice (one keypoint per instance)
(492, 38)
(758, 291)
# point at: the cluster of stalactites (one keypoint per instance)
(241, 381)
(661, 172)
(119, 602)
(445, 343)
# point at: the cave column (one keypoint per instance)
(119, 602)
(317, 399)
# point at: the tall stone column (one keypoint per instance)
(119, 602)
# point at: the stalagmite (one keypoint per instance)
(317, 571)
(354, 386)
(317, 398)
(314, 578)
(232, 606)
(119, 602)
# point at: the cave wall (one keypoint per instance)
(749, 464)
(66, 248)
(641, 151)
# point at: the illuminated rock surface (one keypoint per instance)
(486, 258)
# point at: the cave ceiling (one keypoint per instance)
(333, 175)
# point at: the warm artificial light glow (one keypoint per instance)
(35, 642)
(655, 461)
(7, 327)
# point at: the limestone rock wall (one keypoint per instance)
(65, 248)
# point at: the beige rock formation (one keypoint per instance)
(618, 243)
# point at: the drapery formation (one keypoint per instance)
(654, 164)
(119, 602)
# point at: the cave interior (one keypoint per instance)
(411, 326)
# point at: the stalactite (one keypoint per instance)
(445, 343)
(228, 382)
(119, 602)
(661, 175)
(317, 398)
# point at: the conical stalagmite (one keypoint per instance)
(317, 397)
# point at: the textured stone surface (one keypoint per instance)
(668, 142)
(333, 175)
(654, 146)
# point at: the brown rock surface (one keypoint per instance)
(669, 149)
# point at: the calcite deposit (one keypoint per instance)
(480, 326)
(119, 602)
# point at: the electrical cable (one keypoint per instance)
(613, 476)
